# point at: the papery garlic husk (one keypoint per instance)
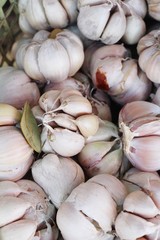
(12, 81)
(25, 230)
(129, 226)
(41, 210)
(49, 233)
(46, 15)
(38, 113)
(16, 156)
(63, 141)
(51, 173)
(96, 20)
(154, 9)
(101, 157)
(138, 6)
(83, 212)
(48, 53)
(121, 78)
(9, 115)
(148, 52)
(140, 131)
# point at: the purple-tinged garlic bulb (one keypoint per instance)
(140, 127)
(58, 176)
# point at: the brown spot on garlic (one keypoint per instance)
(101, 80)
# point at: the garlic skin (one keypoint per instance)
(16, 155)
(12, 81)
(148, 51)
(154, 9)
(83, 212)
(119, 76)
(44, 14)
(96, 20)
(49, 53)
(51, 173)
(139, 124)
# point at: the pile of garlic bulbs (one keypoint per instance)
(80, 122)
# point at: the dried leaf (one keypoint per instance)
(30, 128)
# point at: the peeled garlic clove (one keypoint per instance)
(62, 141)
(12, 209)
(9, 115)
(25, 230)
(88, 124)
(141, 204)
(129, 226)
(51, 165)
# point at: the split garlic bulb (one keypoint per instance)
(148, 50)
(91, 209)
(139, 124)
(119, 75)
(25, 206)
(45, 14)
(51, 57)
(13, 81)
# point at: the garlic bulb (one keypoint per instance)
(91, 209)
(51, 173)
(12, 81)
(139, 124)
(101, 20)
(148, 51)
(16, 156)
(44, 14)
(120, 77)
(44, 58)
(25, 206)
(154, 9)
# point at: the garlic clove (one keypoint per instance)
(49, 233)
(138, 6)
(115, 27)
(51, 52)
(9, 188)
(141, 204)
(9, 115)
(88, 124)
(24, 24)
(16, 208)
(20, 52)
(89, 22)
(62, 141)
(55, 13)
(51, 173)
(25, 230)
(49, 100)
(129, 226)
(36, 18)
(71, 9)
